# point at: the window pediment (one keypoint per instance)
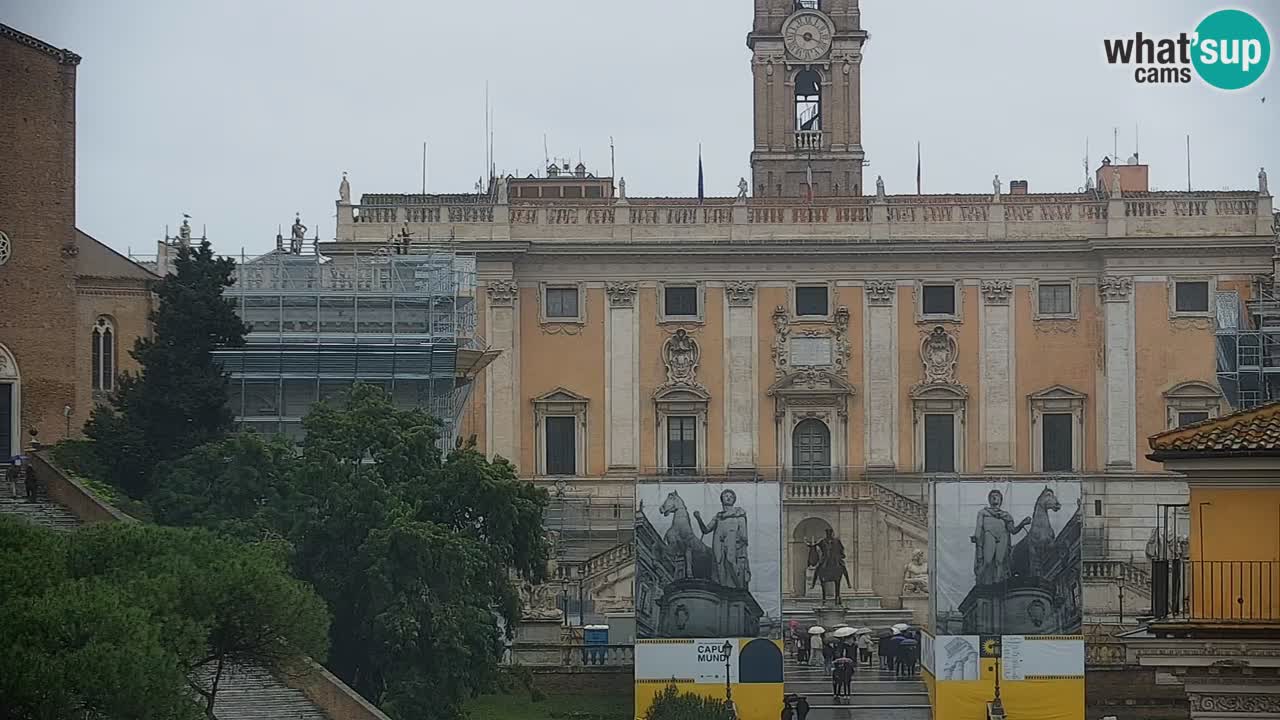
(811, 382)
(561, 398)
(1193, 390)
(939, 391)
(682, 394)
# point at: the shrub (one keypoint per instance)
(671, 704)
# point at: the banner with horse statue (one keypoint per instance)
(1007, 557)
(708, 559)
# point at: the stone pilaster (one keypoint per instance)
(622, 376)
(997, 407)
(502, 401)
(880, 368)
(740, 411)
(1119, 372)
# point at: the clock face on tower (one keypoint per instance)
(807, 35)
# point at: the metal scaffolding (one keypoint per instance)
(1248, 345)
(405, 321)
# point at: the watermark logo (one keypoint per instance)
(1229, 50)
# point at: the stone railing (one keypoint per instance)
(868, 219)
(809, 140)
(570, 655)
(70, 493)
(1131, 576)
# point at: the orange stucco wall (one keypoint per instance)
(1168, 352)
(1229, 524)
(1056, 352)
(568, 356)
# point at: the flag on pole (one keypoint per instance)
(701, 185)
(918, 169)
(808, 177)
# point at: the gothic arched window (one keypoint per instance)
(103, 352)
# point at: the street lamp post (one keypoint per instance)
(727, 649)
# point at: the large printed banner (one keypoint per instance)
(1006, 600)
(1006, 557)
(708, 560)
(708, 593)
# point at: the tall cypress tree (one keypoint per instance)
(178, 400)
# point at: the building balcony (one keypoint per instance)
(1190, 595)
(810, 140)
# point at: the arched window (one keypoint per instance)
(808, 101)
(103, 352)
(811, 451)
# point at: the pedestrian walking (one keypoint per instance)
(864, 648)
(842, 676)
(788, 712)
(815, 649)
(802, 708)
(828, 654)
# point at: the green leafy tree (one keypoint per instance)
(412, 549)
(178, 401)
(220, 602)
(128, 621)
(671, 704)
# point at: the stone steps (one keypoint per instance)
(255, 694)
(876, 694)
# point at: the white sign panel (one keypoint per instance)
(810, 351)
(699, 661)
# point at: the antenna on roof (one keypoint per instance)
(613, 162)
(487, 159)
(546, 156)
(424, 167)
(1188, 163)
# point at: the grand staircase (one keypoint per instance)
(245, 694)
(877, 694)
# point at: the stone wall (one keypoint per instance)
(1132, 694)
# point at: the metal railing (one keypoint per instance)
(1228, 591)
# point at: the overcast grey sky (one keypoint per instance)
(241, 113)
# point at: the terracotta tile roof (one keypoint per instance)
(1255, 431)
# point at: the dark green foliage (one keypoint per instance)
(179, 399)
(410, 548)
(129, 620)
(670, 704)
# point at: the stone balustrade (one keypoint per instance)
(835, 220)
(1131, 576)
(573, 655)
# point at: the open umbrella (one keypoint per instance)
(901, 627)
(864, 631)
(844, 632)
(817, 630)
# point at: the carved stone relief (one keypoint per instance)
(621, 294)
(996, 292)
(938, 352)
(502, 293)
(681, 354)
(1115, 289)
(741, 293)
(880, 292)
(1234, 703)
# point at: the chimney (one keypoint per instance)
(1134, 176)
(1017, 187)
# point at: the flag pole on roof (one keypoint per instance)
(701, 184)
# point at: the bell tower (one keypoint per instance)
(806, 64)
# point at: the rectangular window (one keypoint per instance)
(562, 303)
(1190, 417)
(812, 301)
(1097, 508)
(573, 191)
(939, 300)
(939, 443)
(680, 302)
(1191, 297)
(682, 443)
(562, 446)
(1055, 299)
(1056, 453)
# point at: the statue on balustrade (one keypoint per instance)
(299, 232)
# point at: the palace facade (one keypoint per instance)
(850, 343)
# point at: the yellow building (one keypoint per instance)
(1216, 624)
(846, 341)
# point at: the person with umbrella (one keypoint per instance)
(842, 677)
(802, 707)
(815, 643)
(863, 641)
